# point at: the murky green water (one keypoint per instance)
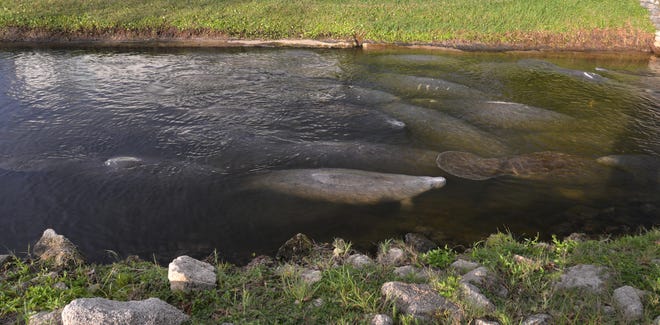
(204, 124)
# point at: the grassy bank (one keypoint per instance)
(347, 295)
(614, 23)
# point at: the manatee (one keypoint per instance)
(444, 131)
(264, 154)
(644, 167)
(425, 87)
(499, 114)
(116, 166)
(552, 68)
(546, 166)
(579, 141)
(361, 95)
(416, 60)
(384, 158)
(345, 186)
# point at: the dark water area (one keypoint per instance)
(204, 123)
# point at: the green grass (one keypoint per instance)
(346, 295)
(382, 21)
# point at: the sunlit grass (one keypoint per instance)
(387, 21)
(527, 268)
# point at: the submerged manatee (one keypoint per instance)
(498, 114)
(362, 96)
(364, 155)
(445, 131)
(546, 166)
(644, 167)
(345, 186)
(265, 154)
(425, 87)
(552, 68)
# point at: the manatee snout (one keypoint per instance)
(436, 182)
(123, 162)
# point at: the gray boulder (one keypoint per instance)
(382, 319)
(629, 304)
(584, 276)
(57, 249)
(409, 270)
(420, 301)
(99, 311)
(186, 274)
(419, 242)
(656, 321)
(474, 297)
(260, 261)
(538, 319)
(392, 256)
(484, 279)
(295, 249)
(46, 318)
(359, 261)
(463, 266)
(477, 276)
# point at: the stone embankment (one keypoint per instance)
(413, 295)
(654, 9)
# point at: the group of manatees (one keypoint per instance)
(437, 114)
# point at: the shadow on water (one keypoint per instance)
(200, 122)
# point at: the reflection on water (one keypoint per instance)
(202, 122)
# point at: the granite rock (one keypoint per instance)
(99, 311)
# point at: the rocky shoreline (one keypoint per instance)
(416, 280)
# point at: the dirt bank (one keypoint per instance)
(588, 40)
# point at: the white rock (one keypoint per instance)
(537, 319)
(101, 311)
(463, 266)
(626, 300)
(584, 276)
(310, 276)
(359, 261)
(382, 319)
(393, 256)
(656, 321)
(46, 318)
(484, 322)
(186, 273)
(420, 301)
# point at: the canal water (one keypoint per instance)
(154, 152)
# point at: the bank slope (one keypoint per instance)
(568, 24)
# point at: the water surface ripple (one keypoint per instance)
(201, 122)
